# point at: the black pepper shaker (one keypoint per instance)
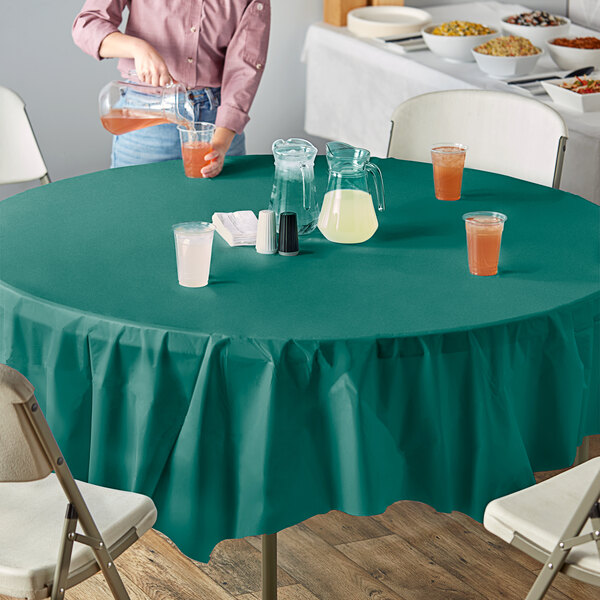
(288, 234)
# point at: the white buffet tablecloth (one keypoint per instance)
(354, 84)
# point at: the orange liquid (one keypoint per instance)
(447, 174)
(483, 246)
(193, 154)
(124, 120)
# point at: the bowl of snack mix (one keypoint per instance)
(575, 52)
(507, 56)
(454, 40)
(538, 26)
(581, 94)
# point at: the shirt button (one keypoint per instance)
(193, 29)
(259, 66)
(259, 6)
(190, 59)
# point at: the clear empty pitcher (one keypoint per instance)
(128, 106)
(348, 215)
(294, 183)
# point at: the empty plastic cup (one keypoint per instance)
(448, 161)
(193, 249)
(196, 143)
(484, 235)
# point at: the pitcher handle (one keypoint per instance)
(306, 189)
(378, 183)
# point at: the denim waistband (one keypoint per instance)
(208, 95)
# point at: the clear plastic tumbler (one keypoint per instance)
(196, 143)
(484, 235)
(448, 161)
(193, 249)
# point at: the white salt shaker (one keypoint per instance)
(266, 241)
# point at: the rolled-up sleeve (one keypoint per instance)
(244, 65)
(97, 19)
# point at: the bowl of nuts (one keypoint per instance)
(454, 40)
(538, 26)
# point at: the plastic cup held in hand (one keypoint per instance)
(196, 143)
(193, 249)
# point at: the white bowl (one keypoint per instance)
(382, 21)
(454, 48)
(536, 34)
(573, 58)
(570, 99)
(506, 66)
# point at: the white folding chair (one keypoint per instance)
(20, 156)
(505, 133)
(556, 522)
(42, 551)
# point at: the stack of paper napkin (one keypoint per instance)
(236, 228)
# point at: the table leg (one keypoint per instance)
(269, 566)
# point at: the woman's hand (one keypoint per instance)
(220, 143)
(149, 64)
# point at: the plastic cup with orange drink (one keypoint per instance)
(484, 235)
(196, 143)
(448, 161)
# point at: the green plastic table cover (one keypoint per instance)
(348, 377)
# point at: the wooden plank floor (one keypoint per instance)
(410, 552)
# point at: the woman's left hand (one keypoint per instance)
(221, 141)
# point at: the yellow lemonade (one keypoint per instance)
(347, 216)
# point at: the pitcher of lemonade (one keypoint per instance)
(126, 106)
(348, 215)
(294, 183)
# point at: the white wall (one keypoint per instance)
(60, 84)
(278, 110)
(554, 6)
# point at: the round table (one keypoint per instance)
(348, 377)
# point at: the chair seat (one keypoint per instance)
(541, 513)
(31, 523)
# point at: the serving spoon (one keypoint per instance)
(575, 73)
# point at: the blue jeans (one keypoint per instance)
(161, 142)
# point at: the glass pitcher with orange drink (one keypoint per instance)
(348, 215)
(126, 106)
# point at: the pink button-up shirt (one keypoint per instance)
(205, 43)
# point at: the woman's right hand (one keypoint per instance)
(150, 66)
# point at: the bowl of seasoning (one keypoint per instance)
(575, 52)
(507, 56)
(538, 26)
(454, 40)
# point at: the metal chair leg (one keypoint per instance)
(61, 573)
(269, 566)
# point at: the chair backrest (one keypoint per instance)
(20, 156)
(505, 133)
(22, 458)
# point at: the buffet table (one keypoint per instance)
(354, 84)
(348, 377)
